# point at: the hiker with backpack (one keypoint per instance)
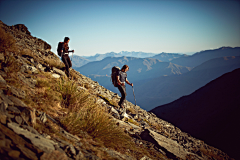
(119, 77)
(63, 51)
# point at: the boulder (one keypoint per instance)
(3, 106)
(3, 84)
(25, 147)
(2, 57)
(3, 118)
(42, 143)
(13, 110)
(58, 71)
(118, 156)
(114, 113)
(26, 68)
(17, 102)
(70, 136)
(28, 81)
(17, 92)
(171, 147)
(40, 67)
(145, 158)
(54, 75)
(14, 154)
(22, 28)
(128, 126)
(5, 99)
(54, 155)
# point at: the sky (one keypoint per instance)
(152, 26)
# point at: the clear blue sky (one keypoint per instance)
(120, 25)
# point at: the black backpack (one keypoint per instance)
(60, 45)
(115, 72)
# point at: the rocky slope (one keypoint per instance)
(33, 106)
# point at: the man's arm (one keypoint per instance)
(128, 82)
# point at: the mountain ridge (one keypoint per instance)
(98, 57)
(203, 56)
(140, 68)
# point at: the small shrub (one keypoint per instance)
(7, 42)
(109, 102)
(54, 62)
(133, 122)
(10, 64)
(42, 83)
(93, 120)
(70, 96)
(73, 74)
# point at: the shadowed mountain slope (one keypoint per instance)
(203, 56)
(211, 113)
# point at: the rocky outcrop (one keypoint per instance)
(21, 138)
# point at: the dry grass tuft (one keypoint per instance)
(54, 62)
(73, 74)
(93, 120)
(70, 96)
(7, 42)
(133, 122)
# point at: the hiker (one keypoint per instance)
(121, 79)
(64, 49)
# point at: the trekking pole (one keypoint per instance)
(135, 102)
(134, 95)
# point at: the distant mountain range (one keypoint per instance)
(167, 57)
(99, 57)
(140, 68)
(157, 83)
(79, 61)
(162, 90)
(211, 113)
